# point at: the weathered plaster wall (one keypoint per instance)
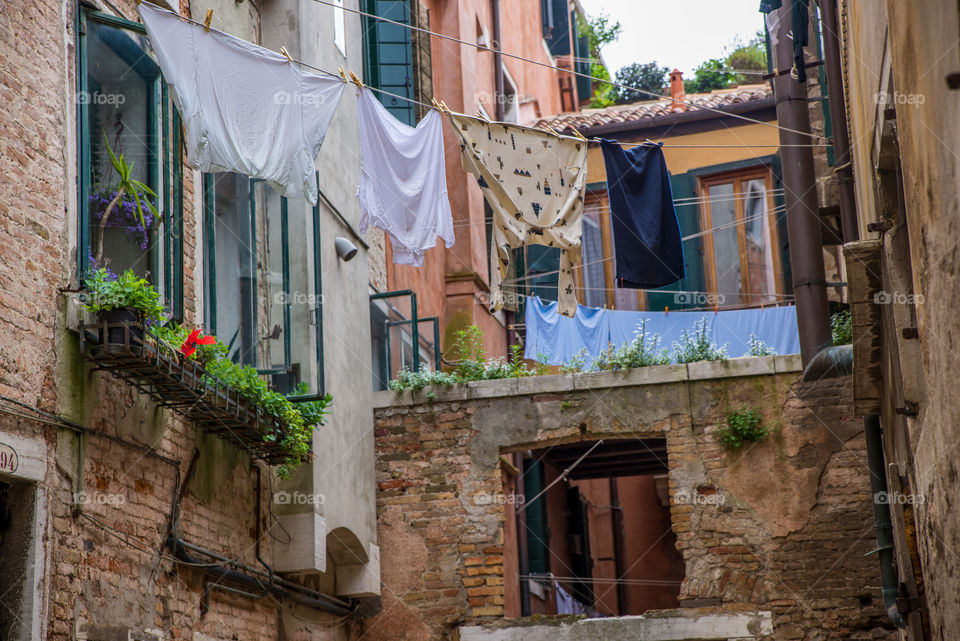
(788, 536)
(907, 54)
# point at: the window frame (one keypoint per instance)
(210, 278)
(737, 178)
(165, 170)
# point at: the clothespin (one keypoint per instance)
(284, 51)
(482, 117)
(716, 309)
(444, 106)
(576, 132)
(343, 75)
(552, 130)
(355, 80)
(666, 310)
(206, 21)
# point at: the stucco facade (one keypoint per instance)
(900, 69)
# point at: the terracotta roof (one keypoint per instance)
(650, 110)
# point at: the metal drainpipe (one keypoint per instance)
(881, 518)
(803, 218)
(838, 114)
(498, 107)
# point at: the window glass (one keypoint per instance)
(232, 307)
(271, 295)
(120, 102)
(759, 252)
(594, 281)
(726, 250)
(262, 282)
(302, 299)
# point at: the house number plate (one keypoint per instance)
(8, 459)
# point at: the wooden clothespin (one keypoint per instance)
(576, 132)
(482, 117)
(355, 80)
(343, 75)
(284, 51)
(552, 130)
(444, 106)
(206, 21)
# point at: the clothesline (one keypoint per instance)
(594, 139)
(571, 71)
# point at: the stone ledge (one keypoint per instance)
(671, 626)
(559, 383)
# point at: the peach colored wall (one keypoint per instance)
(650, 545)
(453, 282)
(682, 159)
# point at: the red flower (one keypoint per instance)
(189, 346)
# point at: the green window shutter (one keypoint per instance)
(582, 65)
(684, 186)
(538, 552)
(543, 260)
(388, 56)
(558, 40)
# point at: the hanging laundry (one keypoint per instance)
(534, 183)
(245, 109)
(555, 338)
(646, 233)
(403, 182)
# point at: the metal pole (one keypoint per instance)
(499, 108)
(838, 114)
(803, 219)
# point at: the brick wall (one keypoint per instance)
(106, 572)
(789, 535)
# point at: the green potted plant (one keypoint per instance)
(124, 298)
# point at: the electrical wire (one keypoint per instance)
(569, 71)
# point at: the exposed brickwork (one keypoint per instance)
(107, 571)
(788, 534)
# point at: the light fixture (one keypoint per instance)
(345, 249)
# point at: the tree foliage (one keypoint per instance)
(649, 78)
(600, 31)
(721, 73)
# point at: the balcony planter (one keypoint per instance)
(133, 353)
(119, 322)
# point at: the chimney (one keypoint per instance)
(676, 90)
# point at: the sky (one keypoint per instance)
(676, 33)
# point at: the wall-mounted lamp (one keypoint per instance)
(345, 249)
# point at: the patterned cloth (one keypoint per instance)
(534, 182)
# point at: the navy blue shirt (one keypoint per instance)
(646, 233)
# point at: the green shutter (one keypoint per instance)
(684, 186)
(538, 552)
(582, 64)
(558, 41)
(543, 260)
(388, 56)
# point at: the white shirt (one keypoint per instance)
(245, 109)
(403, 180)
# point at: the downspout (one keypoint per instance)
(881, 518)
(838, 114)
(803, 218)
(498, 107)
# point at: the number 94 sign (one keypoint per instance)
(8, 459)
